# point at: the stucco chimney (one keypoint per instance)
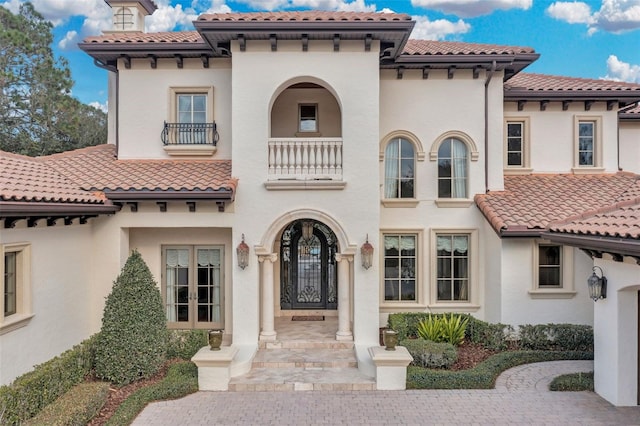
(128, 15)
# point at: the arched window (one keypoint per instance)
(399, 169)
(452, 169)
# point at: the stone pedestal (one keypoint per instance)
(391, 367)
(214, 368)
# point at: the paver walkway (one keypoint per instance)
(520, 398)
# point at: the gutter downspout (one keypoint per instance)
(486, 126)
(113, 69)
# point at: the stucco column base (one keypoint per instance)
(344, 335)
(214, 368)
(268, 336)
(391, 367)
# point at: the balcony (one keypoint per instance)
(190, 138)
(310, 163)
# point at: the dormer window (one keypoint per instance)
(123, 19)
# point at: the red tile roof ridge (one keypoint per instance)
(589, 213)
(536, 80)
(304, 16)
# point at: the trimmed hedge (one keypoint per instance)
(484, 375)
(184, 344)
(498, 337)
(31, 392)
(75, 408)
(575, 382)
(428, 354)
(560, 337)
(181, 380)
(133, 339)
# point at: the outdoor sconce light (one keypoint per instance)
(366, 251)
(243, 254)
(597, 285)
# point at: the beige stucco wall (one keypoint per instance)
(630, 146)
(553, 133)
(519, 306)
(284, 113)
(60, 282)
(145, 103)
(352, 76)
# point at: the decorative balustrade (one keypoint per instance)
(305, 158)
(190, 134)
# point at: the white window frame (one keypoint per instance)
(525, 168)
(597, 166)
(23, 313)
(193, 323)
(189, 150)
(119, 16)
(316, 119)
(418, 155)
(472, 156)
(418, 303)
(566, 289)
(473, 302)
(398, 176)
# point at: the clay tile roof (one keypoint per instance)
(28, 179)
(541, 82)
(532, 202)
(138, 37)
(305, 16)
(631, 112)
(430, 47)
(621, 220)
(96, 168)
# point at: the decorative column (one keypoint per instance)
(344, 305)
(268, 331)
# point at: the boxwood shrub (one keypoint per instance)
(184, 344)
(75, 408)
(133, 340)
(430, 354)
(31, 392)
(484, 375)
(563, 337)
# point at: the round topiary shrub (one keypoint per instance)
(133, 340)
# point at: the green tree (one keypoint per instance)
(38, 115)
(132, 343)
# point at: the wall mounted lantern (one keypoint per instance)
(366, 251)
(597, 285)
(243, 254)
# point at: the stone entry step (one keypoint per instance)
(329, 343)
(305, 358)
(302, 379)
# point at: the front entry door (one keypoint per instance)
(308, 269)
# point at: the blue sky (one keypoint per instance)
(589, 39)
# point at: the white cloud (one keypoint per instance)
(71, 38)
(614, 16)
(622, 71)
(166, 18)
(438, 29)
(59, 11)
(12, 5)
(471, 8)
(102, 107)
(571, 12)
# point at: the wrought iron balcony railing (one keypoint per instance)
(190, 134)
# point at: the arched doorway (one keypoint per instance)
(308, 275)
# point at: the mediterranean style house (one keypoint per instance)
(270, 165)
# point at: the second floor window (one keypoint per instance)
(452, 169)
(399, 165)
(586, 143)
(192, 110)
(308, 118)
(515, 144)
